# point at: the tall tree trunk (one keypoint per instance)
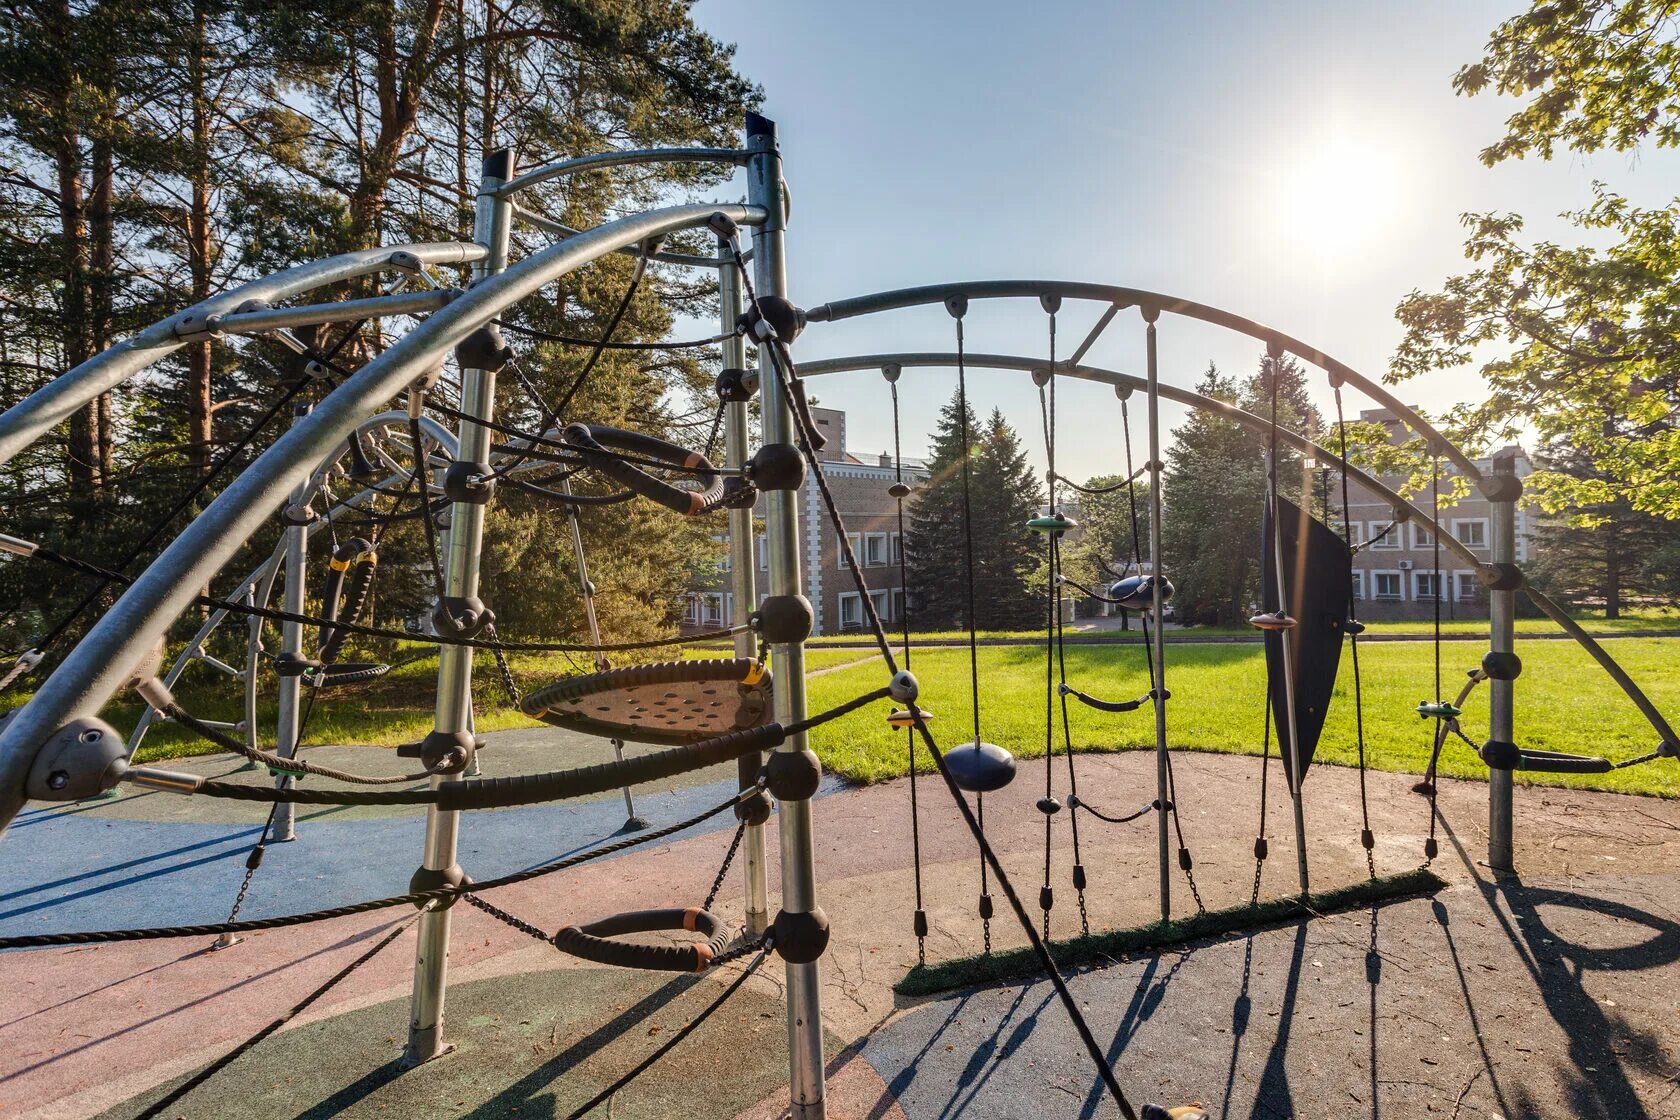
(102, 277)
(200, 403)
(82, 453)
(463, 216)
(1612, 573)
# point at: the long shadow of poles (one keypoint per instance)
(1556, 968)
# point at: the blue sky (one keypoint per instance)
(1303, 164)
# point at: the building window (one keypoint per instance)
(897, 548)
(1472, 532)
(883, 604)
(711, 608)
(897, 599)
(851, 610)
(874, 550)
(1421, 537)
(691, 610)
(1358, 585)
(1386, 586)
(1426, 586)
(856, 542)
(1389, 541)
(1469, 587)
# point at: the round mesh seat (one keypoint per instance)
(667, 702)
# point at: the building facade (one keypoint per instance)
(1395, 574)
(859, 483)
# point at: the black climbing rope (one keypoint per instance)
(1367, 838)
(900, 491)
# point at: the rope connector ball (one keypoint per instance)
(483, 349)
(469, 483)
(429, 879)
(801, 938)
(777, 466)
(773, 317)
(783, 619)
(793, 775)
(904, 687)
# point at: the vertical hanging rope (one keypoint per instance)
(920, 922)
(1048, 806)
(958, 307)
(1367, 838)
(1431, 846)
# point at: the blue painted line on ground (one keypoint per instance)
(79, 871)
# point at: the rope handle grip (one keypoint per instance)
(596, 940)
(584, 781)
(592, 442)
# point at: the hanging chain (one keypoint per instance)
(252, 861)
(503, 916)
(723, 871)
(503, 668)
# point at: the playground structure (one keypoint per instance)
(55, 748)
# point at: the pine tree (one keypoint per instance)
(1105, 542)
(1605, 554)
(1003, 496)
(1215, 491)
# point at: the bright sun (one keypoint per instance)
(1337, 198)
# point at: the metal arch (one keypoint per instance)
(1127, 297)
(602, 160)
(53, 403)
(1653, 716)
(258, 580)
(563, 231)
(96, 668)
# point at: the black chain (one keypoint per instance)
(723, 871)
(513, 920)
(502, 667)
(252, 862)
(88, 937)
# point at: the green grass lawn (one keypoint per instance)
(1564, 702)
(1635, 622)
(396, 708)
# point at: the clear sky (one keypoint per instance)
(1301, 163)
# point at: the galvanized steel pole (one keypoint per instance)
(1502, 489)
(743, 576)
(799, 891)
(291, 642)
(454, 683)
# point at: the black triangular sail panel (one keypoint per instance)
(1318, 571)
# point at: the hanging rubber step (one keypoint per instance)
(1053, 524)
(1108, 705)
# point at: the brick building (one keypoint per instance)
(1395, 577)
(859, 483)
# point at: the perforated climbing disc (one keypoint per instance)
(667, 702)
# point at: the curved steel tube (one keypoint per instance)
(561, 230)
(1123, 297)
(55, 402)
(1597, 652)
(602, 160)
(100, 662)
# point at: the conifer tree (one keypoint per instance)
(1003, 495)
